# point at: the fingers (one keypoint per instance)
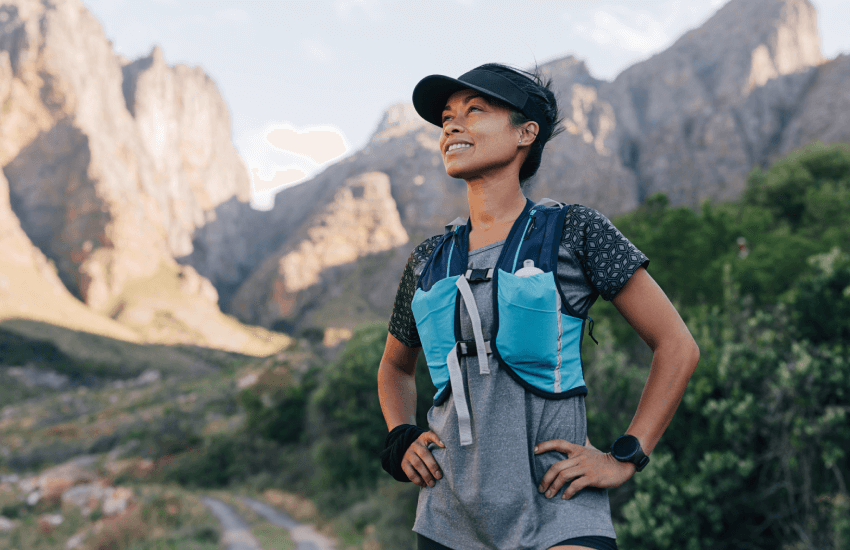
(416, 470)
(575, 454)
(589, 469)
(576, 486)
(418, 462)
(560, 474)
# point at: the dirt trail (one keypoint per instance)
(304, 535)
(237, 534)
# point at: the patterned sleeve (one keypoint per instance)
(607, 257)
(402, 324)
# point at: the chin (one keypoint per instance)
(456, 172)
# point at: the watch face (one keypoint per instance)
(624, 447)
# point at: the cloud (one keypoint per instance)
(280, 155)
(287, 176)
(643, 33)
(317, 50)
(318, 144)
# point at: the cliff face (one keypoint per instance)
(823, 112)
(111, 168)
(748, 85)
(124, 175)
(683, 116)
(30, 287)
(361, 219)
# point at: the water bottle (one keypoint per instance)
(528, 269)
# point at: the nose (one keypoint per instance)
(452, 127)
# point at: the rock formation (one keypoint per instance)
(361, 219)
(122, 172)
(30, 287)
(680, 115)
(112, 168)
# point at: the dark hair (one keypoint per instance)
(540, 91)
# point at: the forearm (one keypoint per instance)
(397, 394)
(673, 363)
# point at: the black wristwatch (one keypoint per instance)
(627, 449)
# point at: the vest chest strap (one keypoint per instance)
(478, 275)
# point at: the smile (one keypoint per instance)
(458, 147)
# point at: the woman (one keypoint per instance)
(508, 427)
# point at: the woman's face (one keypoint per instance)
(477, 138)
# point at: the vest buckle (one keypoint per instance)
(478, 275)
(467, 347)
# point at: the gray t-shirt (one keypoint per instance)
(487, 498)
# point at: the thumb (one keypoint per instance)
(433, 437)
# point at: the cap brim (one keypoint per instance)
(432, 92)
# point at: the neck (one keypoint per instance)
(495, 204)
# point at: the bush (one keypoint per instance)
(761, 437)
(227, 459)
(283, 421)
(350, 415)
(820, 301)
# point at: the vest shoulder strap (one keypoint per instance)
(549, 202)
(454, 223)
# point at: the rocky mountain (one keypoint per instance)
(122, 173)
(30, 287)
(360, 220)
(111, 168)
(748, 85)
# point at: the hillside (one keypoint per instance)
(122, 173)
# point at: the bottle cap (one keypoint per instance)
(528, 269)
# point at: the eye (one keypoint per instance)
(468, 110)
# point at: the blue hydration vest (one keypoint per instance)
(537, 334)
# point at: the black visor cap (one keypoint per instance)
(432, 92)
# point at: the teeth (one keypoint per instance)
(458, 146)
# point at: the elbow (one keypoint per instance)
(693, 356)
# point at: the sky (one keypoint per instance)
(328, 69)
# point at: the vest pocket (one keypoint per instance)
(570, 372)
(434, 312)
(529, 332)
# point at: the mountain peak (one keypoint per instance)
(400, 119)
(748, 42)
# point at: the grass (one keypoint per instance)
(158, 308)
(195, 398)
(161, 517)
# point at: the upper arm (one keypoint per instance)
(400, 355)
(648, 310)
(403, 345)
(402, 324)
(607, 257)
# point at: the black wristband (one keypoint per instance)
(395, 445)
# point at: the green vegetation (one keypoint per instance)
(757, 456)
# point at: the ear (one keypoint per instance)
(528, 132)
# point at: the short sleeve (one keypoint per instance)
(402, 323)
(608, 258)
